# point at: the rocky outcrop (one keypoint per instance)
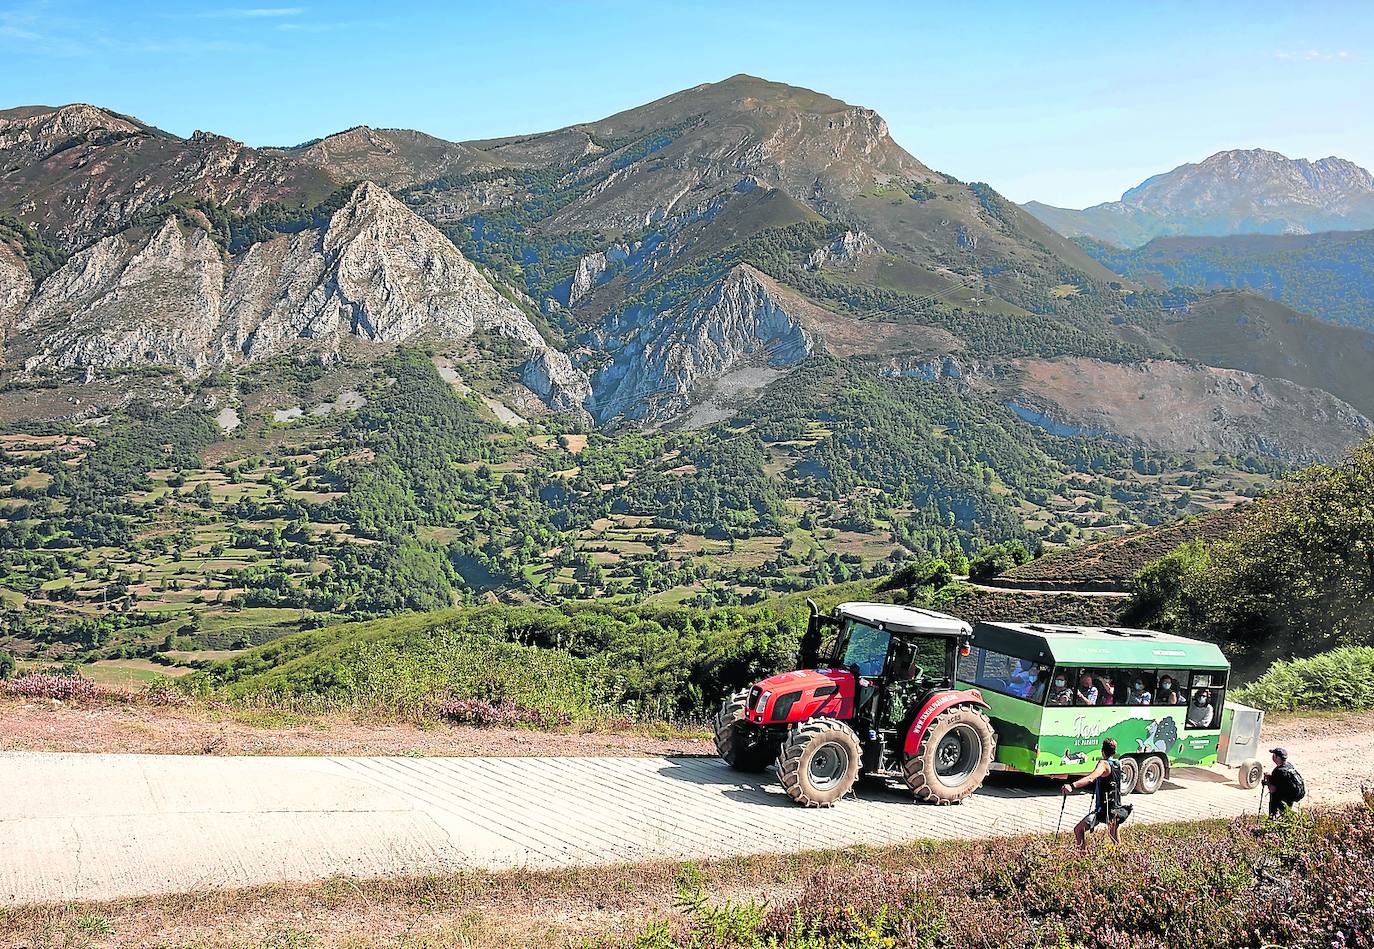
(122, 302)
(16, 286)
(1171, 406)
(663, 361)
(376, 271)
(847, 250)
(32, 134)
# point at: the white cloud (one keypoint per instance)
(253, 13)
(1316, 55)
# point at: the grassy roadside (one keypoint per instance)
(1303, 881)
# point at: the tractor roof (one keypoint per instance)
(910, 620)
(1099, 646)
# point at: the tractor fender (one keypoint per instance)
(932, 709)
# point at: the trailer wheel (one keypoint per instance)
(819, 762)
(1151, 774)
(738, 740)
(1130, 774)
(1250, 773)
(953, 758)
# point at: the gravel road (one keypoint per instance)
(102, 826)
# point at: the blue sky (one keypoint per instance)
(1067, 103)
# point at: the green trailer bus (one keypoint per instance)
(1055, 692)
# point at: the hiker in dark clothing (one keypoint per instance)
(1107, 809)
(1285, 785)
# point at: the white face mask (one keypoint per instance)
(1166, 684)
(1059, 683)
(1139, 686)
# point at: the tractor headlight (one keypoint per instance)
(763, 701)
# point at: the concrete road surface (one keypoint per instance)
(82, 827)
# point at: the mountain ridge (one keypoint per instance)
(700, 244)
(1233, 191)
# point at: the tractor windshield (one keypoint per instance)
(865, 647)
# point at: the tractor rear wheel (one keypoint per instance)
(953, 758)
(819, 762)
(737, 739)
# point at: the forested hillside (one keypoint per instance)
(1293, 576)
(1329, 275)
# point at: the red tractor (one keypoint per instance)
(874, 695)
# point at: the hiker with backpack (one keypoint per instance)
(1285, 785)
(1107, 807)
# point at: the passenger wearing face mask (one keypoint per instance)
(1139, 694)
(1200, 712)
(1060, 691)
(1166, 695)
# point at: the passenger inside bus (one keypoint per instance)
(1022, 682)
(1201, 712)
(1087, 690)
(1060, 692)
(1140, 692)
(1167, 694)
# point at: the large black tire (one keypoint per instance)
(953, 758)
(819, 762)
(1152, 771)
(1130, 774)
(733, 734)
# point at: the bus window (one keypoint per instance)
(968, 665)
(1170, 690)
(997, 672)
(1098, 687)
(1061, 687)
(1204, 707)
(1140, 687)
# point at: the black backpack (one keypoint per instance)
(1290, 783)
(1297, 789)
(1115, 809)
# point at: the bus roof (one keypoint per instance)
(1098, 646)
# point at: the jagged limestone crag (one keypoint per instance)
(660, 364)
(376, 272)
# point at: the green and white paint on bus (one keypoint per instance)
(1016, 666)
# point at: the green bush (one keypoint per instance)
(1339, 680)
(407, 666)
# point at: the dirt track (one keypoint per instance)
(104, 826)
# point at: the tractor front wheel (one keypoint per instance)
(953, 758)
(738, 741)
(819, 762)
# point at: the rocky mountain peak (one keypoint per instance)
(1236, 191)
(32, 133)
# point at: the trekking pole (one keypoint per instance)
(1259, 811)
(1057, 827)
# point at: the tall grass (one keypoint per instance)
(1302, 882)
(1339, 680)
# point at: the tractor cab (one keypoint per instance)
(897, 654)
(875, 684)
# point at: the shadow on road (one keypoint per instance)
(763, 788)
